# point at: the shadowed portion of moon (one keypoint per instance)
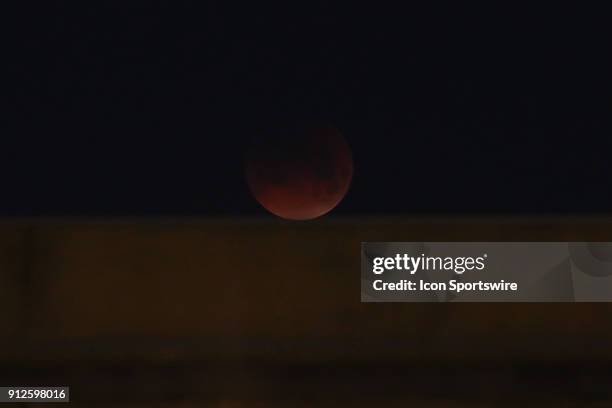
(300, 174)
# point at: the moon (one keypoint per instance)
(300, 174)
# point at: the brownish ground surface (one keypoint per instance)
(249, 312)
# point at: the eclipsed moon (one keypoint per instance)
(300, 174)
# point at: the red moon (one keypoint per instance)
(300, 175)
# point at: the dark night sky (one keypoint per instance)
(147, 109)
